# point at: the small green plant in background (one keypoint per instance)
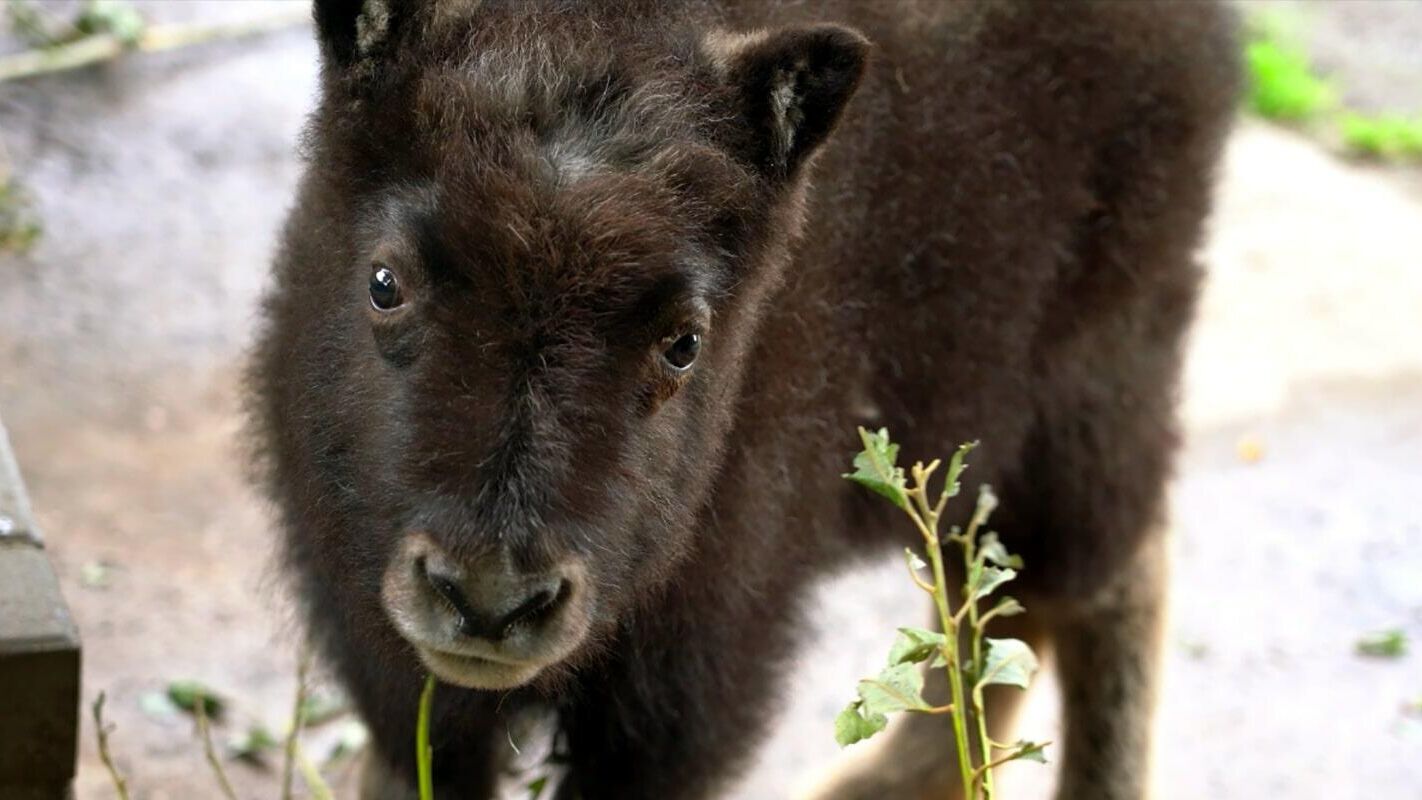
(102, 731)
(1282, 83)
(1383, 644)
(19, 224)
(194, 697)
(207, 706)
(1284, 86)
(37, 26)
(1387, 137)
(114, 17)
(970, 660)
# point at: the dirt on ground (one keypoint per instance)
(162, 180)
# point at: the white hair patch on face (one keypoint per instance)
(573, 160)
(722, 47)
(372, 26)
(785, 106)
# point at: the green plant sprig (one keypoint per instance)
(1284, 86)
(424, 754)
(986, 566)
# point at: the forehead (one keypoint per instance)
(551, 142)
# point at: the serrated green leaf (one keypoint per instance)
(95, 574)
(187, 694)
(351, 738)
(970, 672)
(157, 705)
(992, 550)
(875, 469)
(319, 708)
(114, 17)
(987, 503)
(897, 688)
(1009, 662)
(951, 484)
(915, 563)
(915, 645)
(1384, 644)
(853, 725)
(252, 744)
(1029, 751)
(1007, 607)
(990, 578)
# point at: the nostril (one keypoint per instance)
(447, 589)
(535, 607)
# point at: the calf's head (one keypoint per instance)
(541, 243)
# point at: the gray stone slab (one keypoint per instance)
(16, 521)
(39, 656)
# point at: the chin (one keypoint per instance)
(474, 672)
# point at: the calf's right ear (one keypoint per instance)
(354, 30)
(790, 87)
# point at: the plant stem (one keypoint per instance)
(969, 543)
(991, 765)
(120, 786)
(298, 706)
(106, 47)
(205, 731)
(424, 756)
(312, 776)
(950, 654)
(926, 519)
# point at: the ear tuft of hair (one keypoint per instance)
(350, 30)
(792, 84)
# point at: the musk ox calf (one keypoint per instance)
(579, 306)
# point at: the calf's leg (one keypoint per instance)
(1106, 655)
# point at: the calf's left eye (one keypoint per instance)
(682, 352)
(385, 290)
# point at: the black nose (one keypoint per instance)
(491, 602)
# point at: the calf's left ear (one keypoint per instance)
(353, 30)
(791, 86)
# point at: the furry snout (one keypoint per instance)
(484, 623)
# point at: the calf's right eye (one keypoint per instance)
(385, 290)
(682, 352)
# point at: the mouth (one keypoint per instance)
(477, 672)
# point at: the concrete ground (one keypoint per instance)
(161, 183)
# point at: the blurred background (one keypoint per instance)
(139, 204)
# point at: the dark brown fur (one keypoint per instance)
(996, 243)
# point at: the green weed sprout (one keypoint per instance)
(424, 755)
(1282, 84)
(1387, 136)
(101, 732)
(987, 661)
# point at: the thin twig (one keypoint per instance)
(298, 708)
(318, 786)
(205, 731)
(970, 599)
(927, 524)
(982, 769)
(101, 47)
(996, 611)
(927, 587)
(120, 786)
